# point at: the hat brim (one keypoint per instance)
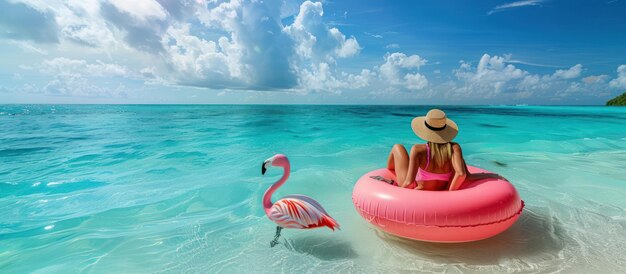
(436, 136)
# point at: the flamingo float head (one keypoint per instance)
(279, 160)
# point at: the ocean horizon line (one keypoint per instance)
(261, 104)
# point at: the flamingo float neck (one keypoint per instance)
(267, 197)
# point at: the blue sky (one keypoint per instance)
(329, 52)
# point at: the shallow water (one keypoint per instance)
(178, 188)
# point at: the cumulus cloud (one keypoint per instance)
(23, 22)
(346, 47)
(557, 80)
(259, 52)
(620, 81)
(322, 78)
(398, 72)
(595, 79)
(399, 69)
(254, 47)
(199, 62)
(495, 76)
(236, 44)
(533, 81)
(248, 46)
(314, 39)
(489, 77)
(573, 72)
(415, 81)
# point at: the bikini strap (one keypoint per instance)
(427, 156)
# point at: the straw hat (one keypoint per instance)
(435, 127)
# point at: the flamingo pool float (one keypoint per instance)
(292, 211)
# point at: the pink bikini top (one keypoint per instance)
(423, 175)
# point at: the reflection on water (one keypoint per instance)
(322, 248)
(534, 235)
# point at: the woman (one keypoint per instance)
(436, 165)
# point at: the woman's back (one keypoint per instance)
(435, 166)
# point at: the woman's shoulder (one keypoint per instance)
(455, 146)
(419, 147)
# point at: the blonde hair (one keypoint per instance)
(440, 153)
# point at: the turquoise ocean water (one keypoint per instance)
(127, 189)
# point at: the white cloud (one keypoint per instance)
(397, 73)
(347, 47)
(532, 82)
(516, 4)
(415, 81)
(595, 79)
(399, 69)
(77, 21)
(315, 40)
(392, 46)
(495, 77)
(322, 78)
(509, 60)
(573, 72)
(489, 77)
(257, 51)
(239, 44)
(360, 80)
(620, 81)
(141, 9)
(81, 22)
(74, 85)
(199, 62)
(64, 66)
(151, 76)
(373, 35)
(546, 82)
(75, 77)
(397, 63)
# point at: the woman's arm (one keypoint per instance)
(460, 170)
(414, 163)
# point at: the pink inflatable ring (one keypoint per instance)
(478, 210)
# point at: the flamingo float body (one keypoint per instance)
(292, 211)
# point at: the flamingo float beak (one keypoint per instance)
(263, 168)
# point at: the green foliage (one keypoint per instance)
(618, 101)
